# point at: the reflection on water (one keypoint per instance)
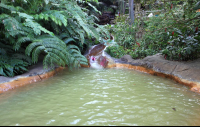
(101, 97)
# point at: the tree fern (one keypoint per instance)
(55, 28)
(55, 49)
(76, 58)
(64, 36)
(76, 31)
(30, 22)
(9, 7)
(11, 25)
(21, 40)
(80, 20)
(54, 15)
(37, 28)
(83, 25)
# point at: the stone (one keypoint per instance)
(126, 58)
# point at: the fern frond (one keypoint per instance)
(23, 15)
(80, 17)
(6, 48)
(70, 30)
(54, 48)
(82, 37)
(21, 40)
(37, 28)
(57, 59)
(54, 15)
(92, 18)
(76, 30)
(1, 70)
(29, 22)
(64, 35)
(36, 52)
(81, 22)
(103, 31)
(51, 59)
(94, 31)
(73, 51)
(23, 57)
(9, 7)
(11, 25)
(12, 62)
(7, 70)
(55, 27)
(94, 8)
(31, 46)
(56, 52)
(67, 40)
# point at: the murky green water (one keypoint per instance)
(101, 97)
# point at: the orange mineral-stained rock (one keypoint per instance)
(27, 80)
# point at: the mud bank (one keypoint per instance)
(186, 73)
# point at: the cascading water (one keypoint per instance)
(94, 63)
(97, 57)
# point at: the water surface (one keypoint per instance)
(101, 97)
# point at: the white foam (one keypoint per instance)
(94, 63)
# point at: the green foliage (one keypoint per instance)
(183, 45)
(11, 62)
(56, 16)
(116, 51)
(55, 29)
(174, 33)
(123, 33)
(56, 52)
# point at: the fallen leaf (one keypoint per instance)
(174, 109)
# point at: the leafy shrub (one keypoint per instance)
(116, 51)
(184, 45)
(173, 33)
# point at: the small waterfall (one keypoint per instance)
(97, 57)
(94, 63)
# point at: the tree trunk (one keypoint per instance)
(131, 11)
(137, 8)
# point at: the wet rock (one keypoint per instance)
(187, 72)
(126, 58)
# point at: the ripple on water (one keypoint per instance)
(101, 97)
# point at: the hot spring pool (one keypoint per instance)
(101, 97)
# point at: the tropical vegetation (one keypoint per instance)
(55, 31)
(58, 32)
(174, 33)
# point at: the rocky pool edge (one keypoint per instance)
(185, 73)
